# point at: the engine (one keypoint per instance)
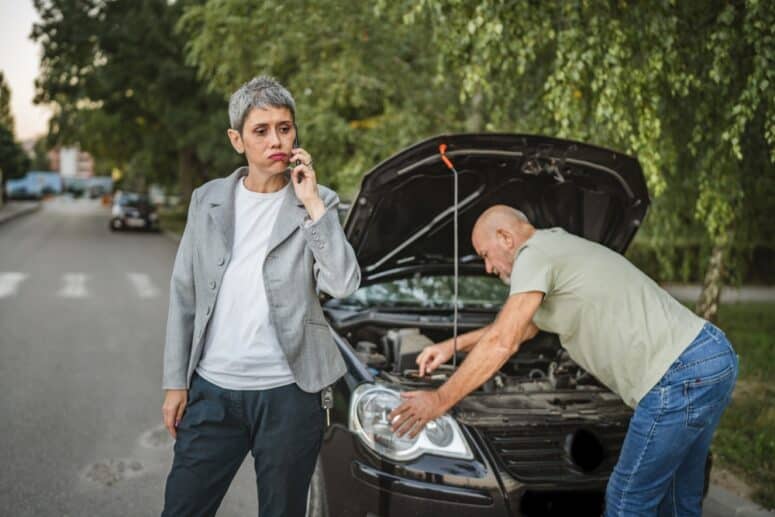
(540, 365)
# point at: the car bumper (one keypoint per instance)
(360, 484)
(135, 223)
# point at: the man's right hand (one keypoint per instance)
(433, 356)
(173, 408)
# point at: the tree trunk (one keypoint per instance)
(710, 297)
(475, 120)
(186, 173)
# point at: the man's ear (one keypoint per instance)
(504, 238)
(236, 140)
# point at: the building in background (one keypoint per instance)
(71, 162)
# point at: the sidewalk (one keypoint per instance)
(13, 209)
(721, 501)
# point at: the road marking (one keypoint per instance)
(143, 285)
(75, 286)
(9, 283)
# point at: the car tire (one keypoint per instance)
(115, 224)
(317, 504)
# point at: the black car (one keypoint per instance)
(132, 210)
(539, 438)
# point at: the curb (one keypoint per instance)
(7, 214)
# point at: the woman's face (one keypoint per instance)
(267, 139)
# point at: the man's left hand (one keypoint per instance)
(419, 408)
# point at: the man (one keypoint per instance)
(676, 370)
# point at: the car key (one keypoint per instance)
(327, 401)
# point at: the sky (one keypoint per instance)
(19, 60)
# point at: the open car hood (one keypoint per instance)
(401, 221)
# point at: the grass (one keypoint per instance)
(173, 219)
(745, 440)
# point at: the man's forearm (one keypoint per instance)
(465, 342)
(486, 358)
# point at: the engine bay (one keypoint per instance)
(390, 353)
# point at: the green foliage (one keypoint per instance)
(6, 117)
(40, 160)
(685, 86)
(363, 81)
(14, 162)
(115, 74)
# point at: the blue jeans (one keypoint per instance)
(661, 468)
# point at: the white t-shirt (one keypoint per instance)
(241, 350)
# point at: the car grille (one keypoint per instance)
(538, 454)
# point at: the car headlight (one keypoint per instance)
(370, 406)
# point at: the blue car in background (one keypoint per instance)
(34, 185)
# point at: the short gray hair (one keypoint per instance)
(259, 92)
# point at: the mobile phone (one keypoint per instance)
(298, 162)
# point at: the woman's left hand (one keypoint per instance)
(305, 183)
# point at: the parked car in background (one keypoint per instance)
(543, 435)
(132, 210)
(34, 185)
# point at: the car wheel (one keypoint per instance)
(115, 224)
(317, 505)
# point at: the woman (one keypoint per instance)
(248, 351)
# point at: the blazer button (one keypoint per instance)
(212, 284)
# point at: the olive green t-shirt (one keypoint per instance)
(614, 321)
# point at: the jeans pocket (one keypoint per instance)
(707, 396)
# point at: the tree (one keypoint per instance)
(6, 117)
(363, 82)
(685, 86)
(115, 74)
(40, 159)
(14, 162)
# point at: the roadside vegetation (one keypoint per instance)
(173, 219)
(745, 440)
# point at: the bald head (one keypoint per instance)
(501, 217)
(497, 235)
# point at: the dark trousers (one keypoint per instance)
(283, 429)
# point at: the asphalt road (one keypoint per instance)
(82, 316)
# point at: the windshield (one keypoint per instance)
(129, 198)
(432, 291)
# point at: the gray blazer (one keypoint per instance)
(300, 257)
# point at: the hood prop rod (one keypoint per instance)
(448, 163)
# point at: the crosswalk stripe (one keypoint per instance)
(143, 285)
(9, 283)
(74, 286)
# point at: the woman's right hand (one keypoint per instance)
(433, 356)
(173, 408)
